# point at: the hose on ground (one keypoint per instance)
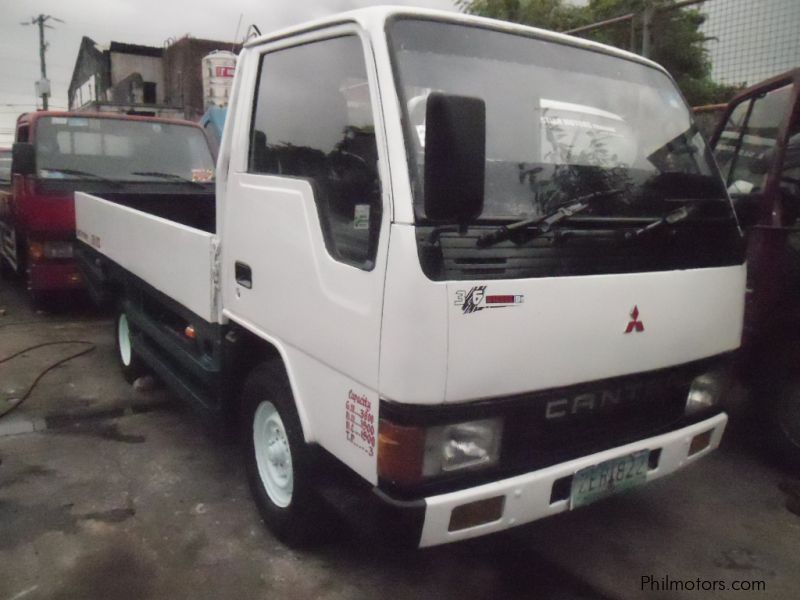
(91, 347)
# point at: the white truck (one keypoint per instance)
(463, 275)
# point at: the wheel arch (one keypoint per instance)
(255, 347)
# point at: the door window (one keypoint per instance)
(313, 120)
(748, 140)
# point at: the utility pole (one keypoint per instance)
(43, 85)
(647, 28)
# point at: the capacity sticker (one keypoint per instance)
(360, 422)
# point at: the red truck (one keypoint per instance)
(757, 146)
(58, 153)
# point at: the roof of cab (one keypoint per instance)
(373, 19)
(32, 116)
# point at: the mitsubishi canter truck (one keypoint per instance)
(462, 275)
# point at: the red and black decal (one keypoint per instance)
(476, 299)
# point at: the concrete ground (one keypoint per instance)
(109, 492)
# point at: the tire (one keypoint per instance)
(278, 461)
(130, 364)
(785, 423)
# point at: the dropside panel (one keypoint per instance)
(175, 259)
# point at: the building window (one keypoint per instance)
(149, 92)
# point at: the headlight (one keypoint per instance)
(461, 446)
(706, 391)
(409, 453)
(58, 250)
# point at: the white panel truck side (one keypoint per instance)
(463, 275)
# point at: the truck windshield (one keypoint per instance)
(122, 150)
(561, 122)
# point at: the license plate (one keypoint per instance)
(609, 477)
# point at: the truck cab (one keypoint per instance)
(757, 146)
(463, 275)
(57, 153)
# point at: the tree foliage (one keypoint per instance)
(676, 40)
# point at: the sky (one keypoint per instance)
(148, 22)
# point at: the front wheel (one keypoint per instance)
(278, 460)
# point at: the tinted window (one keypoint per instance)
(313, 120)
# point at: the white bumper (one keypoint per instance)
(527, 497)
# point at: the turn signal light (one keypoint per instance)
(190, 333)
(36, 251)
(700, 442)
(476, 513)
(400, 452)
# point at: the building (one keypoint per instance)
(143, 80)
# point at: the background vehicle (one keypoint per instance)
(463, 275)
(213, 122)
(757, 145)
(5, 168)
(57, 153)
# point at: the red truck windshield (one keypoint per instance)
(122, 150)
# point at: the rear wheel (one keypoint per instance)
(131, 365)
(279, 464)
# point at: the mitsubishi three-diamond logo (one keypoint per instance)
(635, 324)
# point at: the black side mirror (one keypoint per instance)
(455, 157)
(23, 159)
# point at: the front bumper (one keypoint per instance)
(528, 497)
(62, 275)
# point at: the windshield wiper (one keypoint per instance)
(544, 223)
(85, 175)
(671, 218)
(172, 176)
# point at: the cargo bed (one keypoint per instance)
(175, 258)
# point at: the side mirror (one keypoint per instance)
(455, 157)
(23, 159)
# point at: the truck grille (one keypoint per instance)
(698, 245)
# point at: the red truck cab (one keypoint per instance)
(58, 153)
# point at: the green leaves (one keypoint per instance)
(677, 42)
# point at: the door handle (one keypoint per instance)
(243, 274)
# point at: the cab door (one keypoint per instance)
(757, 148)
(305, 227)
